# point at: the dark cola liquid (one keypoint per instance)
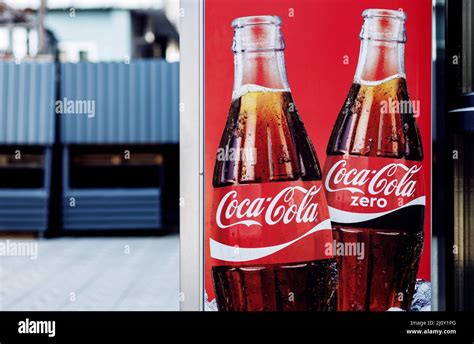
(277, 149)
(266, 128)
(388, 131)
(369, 124)
(385, 277)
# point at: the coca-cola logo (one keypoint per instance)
(282, 208)
(392, 179)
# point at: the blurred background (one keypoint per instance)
(453, 163)
(89, 130)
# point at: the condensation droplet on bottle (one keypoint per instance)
(405, 128)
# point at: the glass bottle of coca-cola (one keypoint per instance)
(373, 175)
(269, 234)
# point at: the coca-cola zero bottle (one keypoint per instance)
(269, 231)
(373, 175)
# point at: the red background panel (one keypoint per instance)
(319, 36)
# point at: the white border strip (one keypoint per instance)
(191, 264)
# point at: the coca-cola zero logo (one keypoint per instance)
(281, 208)
(394, 179)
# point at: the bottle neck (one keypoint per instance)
(258, 48)
(380, 60)
(382, 49)
(262, 68)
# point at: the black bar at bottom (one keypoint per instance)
(409, 327)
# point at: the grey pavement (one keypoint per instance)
(91, 274)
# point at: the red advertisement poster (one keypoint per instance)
(317, 154)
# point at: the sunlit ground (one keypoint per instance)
(91, 274)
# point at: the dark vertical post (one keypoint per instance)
(55, 203)
(440, 160)
(459, 140)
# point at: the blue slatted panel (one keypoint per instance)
(26, 209)
(134, 103)
(112, 209)
(27, 96)
(23, 209)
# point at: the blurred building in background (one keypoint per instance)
(113, 34)
(108, 164)
(110, 160)
(96, 30)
